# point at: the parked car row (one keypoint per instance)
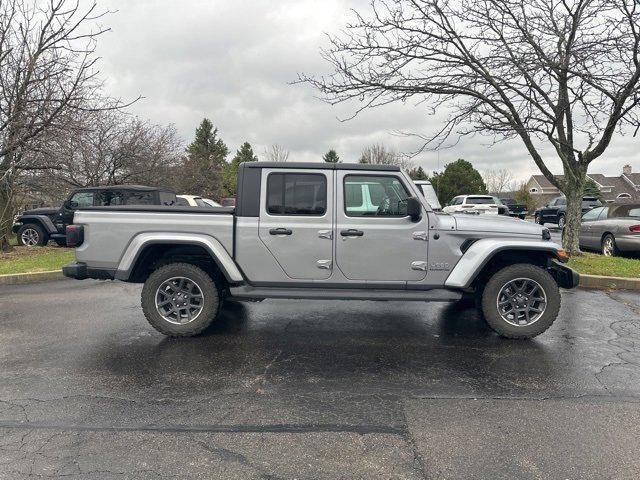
(37, 226)
(555, 211)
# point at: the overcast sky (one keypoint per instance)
(233, 61)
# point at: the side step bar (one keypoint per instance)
(258, 293)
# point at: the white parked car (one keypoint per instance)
(429, 194)
(195, 201)
(477, 204)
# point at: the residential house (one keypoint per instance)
(623, 186)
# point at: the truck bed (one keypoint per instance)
(108, 231)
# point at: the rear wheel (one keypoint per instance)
(32, 235)
(521, 301)
(609, 247)
(180, 300)
(561, 221)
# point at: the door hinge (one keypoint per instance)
(420, 235)
(328, 234)
(419, 266)
(324, 264)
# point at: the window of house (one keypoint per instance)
(296, 194)
(533, 190)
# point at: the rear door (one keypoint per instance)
(375, 239)
(296, 221)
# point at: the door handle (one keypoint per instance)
(280, 231)
(352, 232)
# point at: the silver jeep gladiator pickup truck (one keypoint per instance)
(321, 231)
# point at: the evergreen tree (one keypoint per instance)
(591, 189)
(230, 176)
(331, 157)
(202, 170)
(458, 178)
(418, 174)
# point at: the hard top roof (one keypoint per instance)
(322, 166)
(126, 187)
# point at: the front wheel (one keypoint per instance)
(538, 219)
(32, 235)
(521, 301)
(561, 221)
(180, 300)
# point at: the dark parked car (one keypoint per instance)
(555, 211)
(612, 230)
(38, 226)
(515, 209)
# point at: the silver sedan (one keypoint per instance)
(613, 229)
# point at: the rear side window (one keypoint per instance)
(140, 198)
(296, 194)
(109, 197)
(182, 202)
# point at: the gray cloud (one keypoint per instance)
(232, 61)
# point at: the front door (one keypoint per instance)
(77, 200)
(375, 239)
(296, 221)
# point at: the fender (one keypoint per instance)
(42, 219)
(479, 254)
(222, 258)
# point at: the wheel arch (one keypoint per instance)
(487, 256)
(42, 221)
(148, 251)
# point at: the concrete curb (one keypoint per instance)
(26, 278)
(602, 283)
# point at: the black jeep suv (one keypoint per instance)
(555, 211)
(38, 226)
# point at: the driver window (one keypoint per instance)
(82, 199)
(375, 195)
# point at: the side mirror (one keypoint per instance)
(71, 205)
(414, 209)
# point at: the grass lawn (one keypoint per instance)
(34, 259)
(592, 264)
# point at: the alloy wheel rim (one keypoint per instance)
(30, 237)
(179, 300)
(561, 222)
(607, 250)
(521, 302)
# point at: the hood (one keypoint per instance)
(497, 224)
(41, 211)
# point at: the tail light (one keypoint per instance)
(75, 235)
(634, 228)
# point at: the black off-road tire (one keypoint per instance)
(43, 237)
(210, 291)
(500, 279)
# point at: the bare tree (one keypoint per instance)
(276, 153)
(556, 73)
(106, 148)
(47, 69)
(379, 154)
(498, 180)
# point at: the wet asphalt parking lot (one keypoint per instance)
(314, 389)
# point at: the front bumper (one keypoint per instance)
(16, 226)
(566, 277)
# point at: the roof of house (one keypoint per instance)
(544, 182)
(634, 177)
